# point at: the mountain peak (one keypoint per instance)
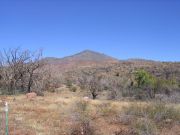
(88, 52)
(86, 58)
(89, 55)
(85, 51)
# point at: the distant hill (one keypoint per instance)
(89, 55)
(86, 58)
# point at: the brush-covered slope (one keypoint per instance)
(86, 58)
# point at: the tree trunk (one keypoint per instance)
(29, 84)
(94, 95)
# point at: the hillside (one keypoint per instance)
(86, 58)
(90, 60)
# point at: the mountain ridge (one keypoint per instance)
(82, 53)
(86, 58)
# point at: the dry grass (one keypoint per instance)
(65, 112)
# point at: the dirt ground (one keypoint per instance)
(53, 115)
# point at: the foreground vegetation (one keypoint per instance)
(67, 113)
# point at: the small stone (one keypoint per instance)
(168, 120)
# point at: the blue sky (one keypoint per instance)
(124, 29)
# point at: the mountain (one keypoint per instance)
(85, 58)
(89, 55)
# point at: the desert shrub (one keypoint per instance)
(146, 82)
(106, 109)
(112, 95)
(156, 111)
(139, 126)
(82, 128)
(73, 89)
(160, 112)
(143, 78)
(49, 82)
(134, 110)
(128, 92)
(166, 86)
(115, 86)
(82, 124)
(173, 98)
(140, 94)
(122, 119)
(82, 106)
(69, 83)
(51, 90)
(125, 132)
(117, 74)
(39, 93)
(81, 111)
(92, 83)
(145, 127)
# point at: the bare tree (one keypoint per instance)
(18, 69)
(91, 82)
(16, 61)
(32, 66)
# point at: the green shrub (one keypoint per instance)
(143, 78)
(145, 83)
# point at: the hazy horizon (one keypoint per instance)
(135, 58)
